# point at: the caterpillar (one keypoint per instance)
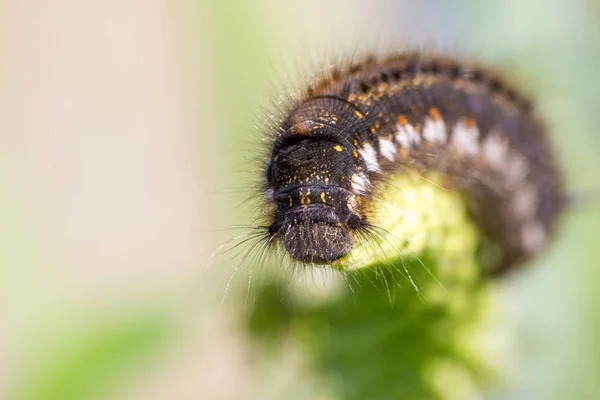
(353, 127)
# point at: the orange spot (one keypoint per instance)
(343, 178)
(402, 120)
(339, 148)
(434, 113)
(355, 142)
(470, 122)
(303, 128)
(355, 153)
(372, 130)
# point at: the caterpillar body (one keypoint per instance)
(355, 126)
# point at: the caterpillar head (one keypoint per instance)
(316, 211)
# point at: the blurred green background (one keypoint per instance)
(127, 129)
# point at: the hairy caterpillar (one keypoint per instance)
(356, 126)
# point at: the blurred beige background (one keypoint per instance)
(102, 159)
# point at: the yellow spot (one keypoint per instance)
(323, 197)
(355, 153)
(353, 204)
(339, 148)
(359, 114)
(355, 142)
(291, 202)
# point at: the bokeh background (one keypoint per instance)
(126, 131)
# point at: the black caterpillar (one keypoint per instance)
(412, 111)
